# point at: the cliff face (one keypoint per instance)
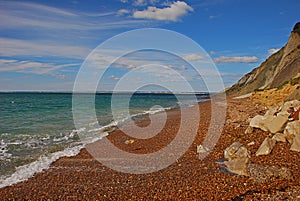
(278, 68)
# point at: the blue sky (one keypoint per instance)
(44, 43)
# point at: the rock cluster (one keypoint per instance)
(283, 122)
(284, 125)
(238, 161)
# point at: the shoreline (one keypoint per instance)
(83, 177)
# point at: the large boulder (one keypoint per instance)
(296, 144)
(266, 147)
(291, 130)
(237, 157)
(236, 150)
(257, 122)
(238, 166)
(269, 122)
(276, 124)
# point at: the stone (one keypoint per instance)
(291, 130)
(131, 141)
(276, 124)
(238, 166)
(279, 137)
(296, 144)
(287, 105)
(272, 123)
(236, 150)
(202, 149)
(237, 157)
(251, 143)
(256, 122)
(249, 130)
(266, 147)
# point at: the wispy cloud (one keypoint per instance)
(13, 47)
(40, 30)
(236, 59)
(123, 12)
(212, 53)
(30, 66)
(193, 57)
(25, 15)
(174, 12)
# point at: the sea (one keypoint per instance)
(37, 128)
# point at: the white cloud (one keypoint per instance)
(212, 53)
(139, 3)
(12, 47)
(193, 57)
(124, 1)
(172, 13)
(273, 50)
(122, 12)
(237, 59)
(30, 66)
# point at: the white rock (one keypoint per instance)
(202, 149)
(287, 105)
(256, 122)
(291, 130)
(131, 141)
(266, 147)
(238, 166)
(296, 144)
(276, 124)
(237, 157)
(251, 143)
(236, 150)
(279, 137)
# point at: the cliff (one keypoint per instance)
(279, 68)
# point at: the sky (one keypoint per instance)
(46, 45)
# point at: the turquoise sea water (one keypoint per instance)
(38, 128)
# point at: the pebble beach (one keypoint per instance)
(82, 177)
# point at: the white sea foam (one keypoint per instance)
(25, 172)
(3, 151)
(69, 136)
